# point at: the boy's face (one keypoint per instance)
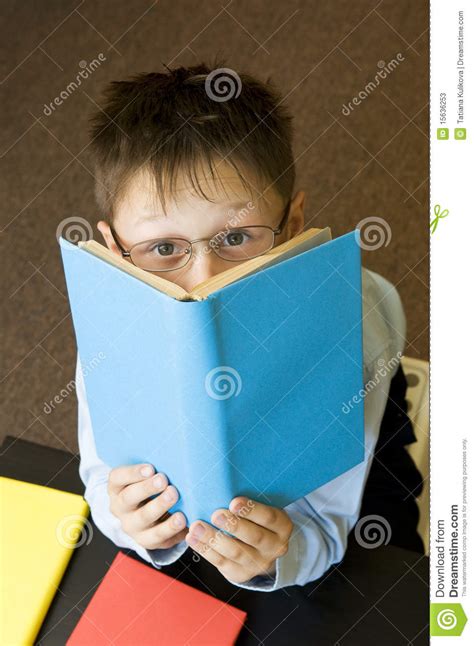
(138, 216)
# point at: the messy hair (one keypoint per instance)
(188, 118)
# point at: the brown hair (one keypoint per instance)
(174, 121)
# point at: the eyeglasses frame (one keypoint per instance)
(126, 253)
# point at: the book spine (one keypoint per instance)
(202, 387)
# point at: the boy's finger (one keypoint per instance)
(230, 569)
(165, 534)
(120, 477)
(210, 554)
(264, 515)
(261, 538)
(230, 548)
(134, 494)
(152, 511)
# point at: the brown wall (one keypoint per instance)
(373, 162)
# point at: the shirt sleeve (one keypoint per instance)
(95, 474)
(323, 519)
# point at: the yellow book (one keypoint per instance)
(39, 529)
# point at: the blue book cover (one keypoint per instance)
(240, 393)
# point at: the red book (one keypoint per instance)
(136, 604)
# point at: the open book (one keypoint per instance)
(235, 388)
(306, 240)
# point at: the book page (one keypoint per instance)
(300, 243)
(312, 238)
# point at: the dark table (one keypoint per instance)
(374, 596)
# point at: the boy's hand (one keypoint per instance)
(260, 534)
(146, 521)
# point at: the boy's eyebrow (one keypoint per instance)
(238, 205)
(149, 216)
(153, 215)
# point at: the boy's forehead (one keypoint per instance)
(226, 188)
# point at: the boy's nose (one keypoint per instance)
(204, 264)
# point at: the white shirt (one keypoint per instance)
(323, 519)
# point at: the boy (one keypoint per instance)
(181, 172)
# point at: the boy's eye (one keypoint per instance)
(166, 248)
(235, 238)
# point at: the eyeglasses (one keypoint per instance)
(234, 245)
